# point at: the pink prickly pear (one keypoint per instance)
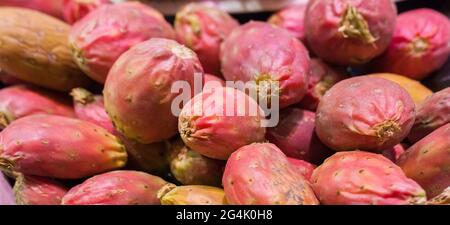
(59, 147)
(74, 10)
(33, 190)
(50, 7)
(6, 192)
(292, 19)
(303, 167)
(363, 178)
(395, 152)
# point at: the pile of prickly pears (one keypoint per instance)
(322, 104)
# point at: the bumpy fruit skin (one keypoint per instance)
(363, 178)
(208, 126)
(441, 199)
(427, 161)
(419, 46)
(191, 168)
(35, 49)
(266, 54)
(59, 147)
(50, 7)
(304, 168)
(33, 190)
(260, 174)
(292, 19)
(350, 31)
(6, 192)
(295, 136)
(75, 10)
(194, 195)
(395, 152)
(203, 28)
(433, 113)
(119, 187)
(366, 113)
(22, 100)
(321, 79)
(102, 36)
(414, 88)
(138, 94)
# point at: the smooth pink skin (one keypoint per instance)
(207, 128)
(138, 94)
(260, 174)
(120, 187)
(75, 10)
(203, 28)
(295, 136)
(304, 168)
(291, 18)
(433, 113)
(351, 113)
(426, 24)
(34, 190)
(21, 100)
(102, 36)
(427, 161)
(95, 113)
(59, 147)
(326, 41)
(395, 152)
(258, 49)
(321, 79)
(51, 7)
(6, 192)
(363, 178)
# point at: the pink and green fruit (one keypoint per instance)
(365, 113)
(304, 168)
(74, 10)
(59, 147)
(34, 190)
(363, 178)
(194, 195)
(292, 19)
(260, 174)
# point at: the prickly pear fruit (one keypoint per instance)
(117, 27)
(321, 79)
(74, 10)
(212, 81)
(260, 174)
(23, 100)
(304, 168)
(350, 31)
(433, 113)
(292, 19)
(366, 113)
(395, 152)
(295, 136)
(269, 56)
(203, 28)
(419, 46)
(427, 161)
(119, 187)
(210, 124)
(52, 7)
(35, 49)
(33, 190)
(6, 192)
(441, 199)
(148, 69)
(363, 178)
(59, 147)
(194, 195)
(414, 88)
(191, 168)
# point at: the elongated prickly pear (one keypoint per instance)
(211, 125)
(190, 167)
(102, 36)
(268, 56)
(148, 69)
(295, 136)
(292, 19)
(74, 10)
(433, 113)
(366, 113)
(442, 199)
(302, 167)
(260, 174)
(427, 161)
(194, 195)
(23, 100)
(59, 147)
(357, 177)
(120, 187)
(33, 190)
(203, 28)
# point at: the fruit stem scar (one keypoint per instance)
(353, 25)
